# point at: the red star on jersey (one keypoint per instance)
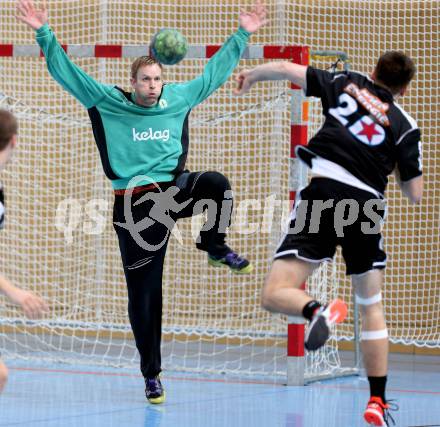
(369, 130)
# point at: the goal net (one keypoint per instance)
(59, 240)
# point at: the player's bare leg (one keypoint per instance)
(282, 293)
(375, 350)
(374, 343)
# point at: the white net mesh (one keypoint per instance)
(212, 320)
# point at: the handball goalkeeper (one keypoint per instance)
(143, 139)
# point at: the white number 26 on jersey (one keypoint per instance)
(365, 129)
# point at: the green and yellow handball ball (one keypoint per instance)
(169, 46)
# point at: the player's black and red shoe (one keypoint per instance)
(325, 317)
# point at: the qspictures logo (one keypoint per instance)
(151, 135)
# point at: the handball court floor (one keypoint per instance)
(68, 396)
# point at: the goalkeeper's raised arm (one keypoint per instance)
(223, 63)
(72, 78)
(34, 17)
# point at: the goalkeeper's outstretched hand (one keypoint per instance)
(254, 19)
(30, 15)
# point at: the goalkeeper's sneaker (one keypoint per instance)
(377, 412)
(154, 390)
(324, 318)
(236, 263)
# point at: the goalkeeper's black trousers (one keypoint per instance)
(143, 246)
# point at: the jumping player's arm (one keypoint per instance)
(408, 171)
(412, 189)
(72, 78)
(295, 73)
(32, 305)
(221, 65)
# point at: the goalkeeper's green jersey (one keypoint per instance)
(150, 143)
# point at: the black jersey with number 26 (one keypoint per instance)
(365, 131)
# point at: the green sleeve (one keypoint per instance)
(217, 70)
(72, 78)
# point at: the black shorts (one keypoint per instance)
(352, 218)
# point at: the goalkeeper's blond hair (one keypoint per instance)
(141, 62)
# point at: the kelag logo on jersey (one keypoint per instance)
(365, 129)
(149, 134)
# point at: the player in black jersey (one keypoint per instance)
(32, 305)
(366, 136)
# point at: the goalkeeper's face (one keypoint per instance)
(147, 85)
